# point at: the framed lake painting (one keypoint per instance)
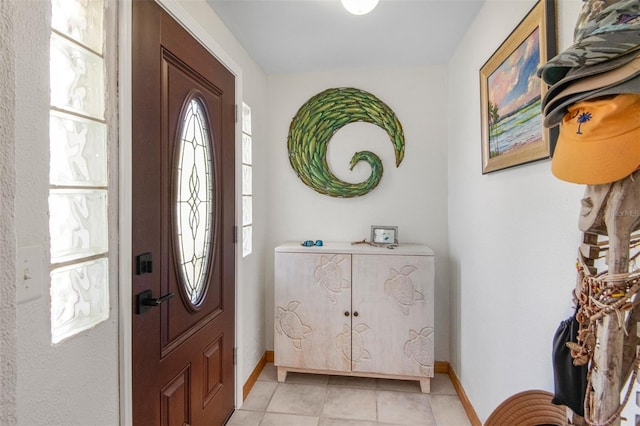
(511, 94)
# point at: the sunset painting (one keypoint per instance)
(514, 92)
(511, 94)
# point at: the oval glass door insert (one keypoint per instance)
(194, 202)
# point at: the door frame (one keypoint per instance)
(125, 309)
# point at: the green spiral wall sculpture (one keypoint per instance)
(317, 121)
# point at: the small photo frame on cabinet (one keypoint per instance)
(383, 235)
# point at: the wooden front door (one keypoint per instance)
(183, 195)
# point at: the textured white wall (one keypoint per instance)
(412, 196)
(513, 235)
(76, 382)
(8, 352)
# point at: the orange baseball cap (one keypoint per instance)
(599, 140)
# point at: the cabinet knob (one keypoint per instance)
(346, 313)
(355, 314)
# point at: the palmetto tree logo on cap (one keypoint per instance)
(583, 118)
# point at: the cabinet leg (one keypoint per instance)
(425, 385)
(282, 374)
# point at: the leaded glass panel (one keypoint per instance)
(79, 298)
(80, 20)
(194, 200)
(78, 151)
(77, 78)
(77, 223)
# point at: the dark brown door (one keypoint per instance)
(183, 226)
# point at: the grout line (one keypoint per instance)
(377, 398)
(324, 399)
(441, 367)
(271, 397)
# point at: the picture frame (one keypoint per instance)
(384, 235)
(511, 94)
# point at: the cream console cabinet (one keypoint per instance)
(355, 310)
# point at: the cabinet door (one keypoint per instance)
(393, 299)
(312, 295)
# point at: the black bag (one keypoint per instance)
(570, 380)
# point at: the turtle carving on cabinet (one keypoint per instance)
(351, 343)
(289, 323)
(401, 288)
(329, 275)
(419, 348)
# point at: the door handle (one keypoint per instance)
(145, 301)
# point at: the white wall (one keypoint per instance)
(8, 338)
(513, 235)
(412, 196)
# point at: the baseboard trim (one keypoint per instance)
(441, 367)
(254, 375)
(466, 404)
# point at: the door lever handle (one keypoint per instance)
(145, 301)
(155, 302)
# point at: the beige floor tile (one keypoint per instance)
(269, 373)
(308, 399)
(405, 408)
(307, 379)
(448, 411)
(441, 385)
(277, 419)
(245, 418)
(352, 382)
(398, 385)
(260, 395)
(350, 403)
(344, 422)
(293, 398)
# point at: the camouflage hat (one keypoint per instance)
(606, 29)
(577, 74)
(623, 79)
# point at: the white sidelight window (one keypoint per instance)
(78, 193)
(247, 176)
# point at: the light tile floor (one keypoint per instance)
(319, 400)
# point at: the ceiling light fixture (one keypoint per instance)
(359, 7)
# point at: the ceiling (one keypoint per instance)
(290, 36)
